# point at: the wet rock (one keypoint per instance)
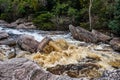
(115, 43)
(9, 42)
(28, 43)
(10, 54)
(110, 75)
(2, 57)
(4, 48)
(3, 35)
(101, 37)
(76, 70)
(21, 54)
(23, 69)
(103, 47)
(43, 43)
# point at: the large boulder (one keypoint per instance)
(3, 35)
(115, 43)
(101, 37)
(23, 69)
(28, 43)
(82, 34)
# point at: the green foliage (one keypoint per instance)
(63, 12)
(43, 21)
(115, 23)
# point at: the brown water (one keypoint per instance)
(59, 55)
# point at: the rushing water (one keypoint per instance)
(69, 54)
(38, 34)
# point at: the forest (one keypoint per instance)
(55, 14)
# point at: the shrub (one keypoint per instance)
(43, 21)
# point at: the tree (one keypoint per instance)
(115, 23)
(90, 17)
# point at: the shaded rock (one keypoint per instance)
(3, 35)
(21, 26)
(76, 70)
(17, 22)
(27, 25)
(9, 42)
(82, 34)
(4, 23)
(101, 37)
(115, 43)
(23, 69)
(13, 24)
(28, 43)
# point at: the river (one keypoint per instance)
(74, 54)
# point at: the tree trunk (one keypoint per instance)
(90, 17)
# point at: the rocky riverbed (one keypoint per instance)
(63, 58)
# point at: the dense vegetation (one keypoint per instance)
(58, 14)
